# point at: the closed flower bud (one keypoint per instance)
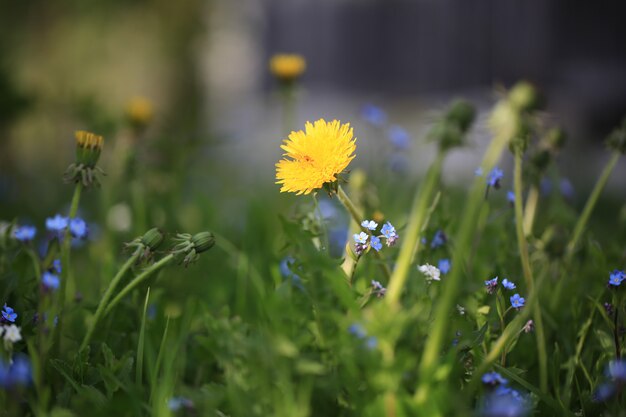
(84, 170)
(524, 97)
(287, 67)
(203, 241)
(153, 238)
(617, 139)
(462, 114)
(139, 112)
(555, 139)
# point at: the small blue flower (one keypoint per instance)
(376, 244)
(444, 266)
(493, 378)
(357, 330)
(50, 281)
(178, 403)
(505, 405)
(439, 239)
(16, 373)
(492, 282)
(78, 228)
(25, 233)
(56, 266)
(371, 343)
(374, 115)
(399, 137)
(508, 284)
(517, 301)
(510, 197)
(478, 172)
(388, 231)
(493, 180)
(8, 314)
(616, 277)
(566, 187)
(361, 238)
(617, 370)
(369, 224)
(604, 392)
(57, 224)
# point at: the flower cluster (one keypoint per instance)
(378, 289)
(616, 277)
(492, 285)
(58, 224)
(363, 240)
(10, 332)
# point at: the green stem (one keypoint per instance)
(322, 222)
(358, 217)
(138, 280)
(107, 296)
(531, 208)
(429, 362)
(591, 202)
(528, 274)
(411, 239)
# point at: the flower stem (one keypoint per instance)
(531, 208)
(616, 333)
(358, 217)
(527, 270)
(107, 295)
(324, 232)
(137, 280)
(591, 202)
(411, 241)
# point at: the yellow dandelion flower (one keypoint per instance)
(315, 156)
(139, 111)
(287, 67)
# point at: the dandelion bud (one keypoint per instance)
(152, 239)
(524, 97)
(88, 148)
(84, 170)
(617, 139)
(555, 139)
(462, 114)
(203, 241)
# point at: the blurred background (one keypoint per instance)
(216, 116)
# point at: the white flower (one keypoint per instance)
(460, 309)
(431, 272)
(369, 224)
(12, 333)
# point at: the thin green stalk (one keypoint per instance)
(107, 296)
(431, 356)
(289, 108)
(411, 239)
(138, 280)
(324, 232)
(141, 342)
(530, 210)
(591, 202)
(358, 217)
(528, 273)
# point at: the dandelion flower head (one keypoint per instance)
(287, 67)
(315, 156)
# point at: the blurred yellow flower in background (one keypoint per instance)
(287, 67)
(139, 111)
(315, 156)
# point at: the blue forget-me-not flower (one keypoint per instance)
(517, 301)
(25, 233)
